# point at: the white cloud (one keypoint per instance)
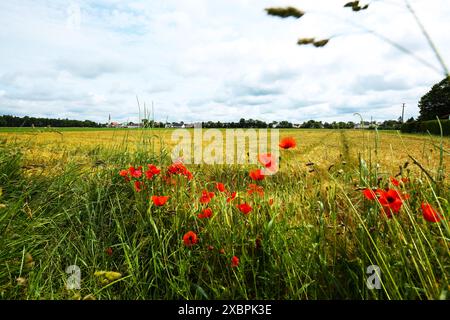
(214, 60)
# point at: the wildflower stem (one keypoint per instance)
(427, 36)
(417, 163)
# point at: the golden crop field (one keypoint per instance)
(322, 147)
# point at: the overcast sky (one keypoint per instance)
(215, 60)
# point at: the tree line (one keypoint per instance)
(13, 121)
(250, 123)
(311, 124)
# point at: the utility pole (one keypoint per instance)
(403, 113)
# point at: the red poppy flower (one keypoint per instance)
(220, 186)
(270, 201)
(372, 194)
(175, 168)
(190, 238)
(159, 200)
(430, 214)
(149, 174)
(109, 251)
(123, 173)
(232, 196)
(138, 186)
(288, 143)
(254, 188)
(206, 197)
(188, 174)
(152, 171)
(395, 182)
(179, 169)
(135, 173)
(245, 208)
(268, 161)
(391, 201)
(256, 175)
(206, 213)
(210, 248)
(234, 262)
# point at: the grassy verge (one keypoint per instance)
(310, 234)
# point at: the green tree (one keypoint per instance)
(436, 103)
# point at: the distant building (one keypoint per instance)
(114, 125)
(132, 125)
(129, 125)
(176, 125)
(365, 125)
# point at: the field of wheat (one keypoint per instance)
(343, 202)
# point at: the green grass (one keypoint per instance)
(314, 242)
